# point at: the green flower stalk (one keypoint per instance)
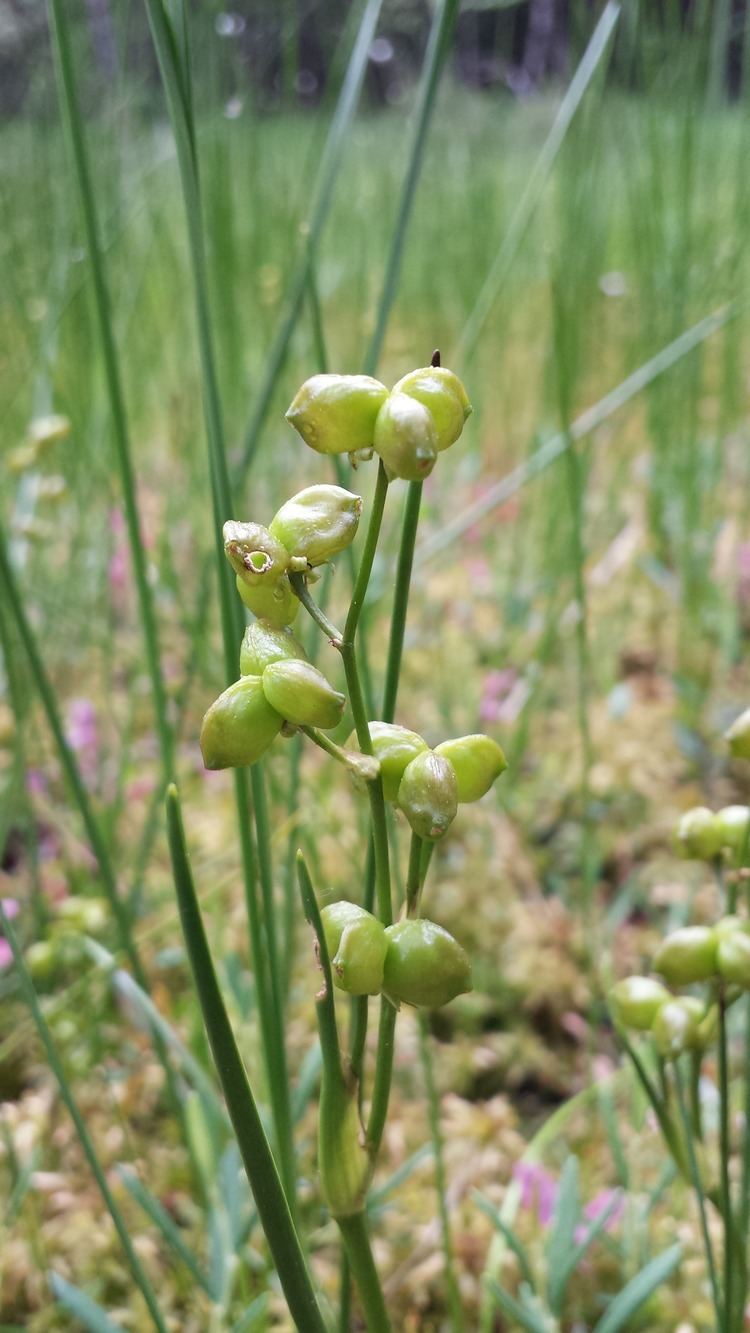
(317, 524)
(335, 414)
(239, 726)
(424, 966)
(428, 795)
(302, 695)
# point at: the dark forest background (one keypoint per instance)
(282, 52)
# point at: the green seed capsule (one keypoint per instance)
(42, 959)
(335, 414)
(356, 944)
(302, 695)
(335, 918)
(89, 916)
(394, 747)
(444, 396)
(687, 955)
(405, 438)
(676, 1027)
(698, 835)
(239, 726)
(358, 963)
(732, 822)
(424, 965)
(733, 958)
(256, 556)
(738, 736)
(637, 1000)
(275, 603)
(428, 795)
(729, 925)
(262, 644)
(318, 523)
(477, 762)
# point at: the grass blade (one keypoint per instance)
(560, 1243)
(168, 1228)
(81, 1306)
(446, 12)
(638, 1290)
(74, 122)
(322, 196)
(583, 425)
(270, 1199)
(510, 1237)
(232, 617)
(14, 602)
(523, 1317)
(534, 186)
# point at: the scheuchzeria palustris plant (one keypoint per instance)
(374, 946)
(706, 969)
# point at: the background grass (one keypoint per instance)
(612, 590)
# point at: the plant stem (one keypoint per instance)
(414, 875)
(433, 1106)
(359, 1254)
(322, 197)
(76, 135)
(699, 1194)
(401, 599)
(232, 617)
(696, 1116)
(725, 1150)
(263, 1177)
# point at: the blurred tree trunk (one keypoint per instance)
(103, 40)
(545, 49)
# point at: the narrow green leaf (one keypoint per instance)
(129, 989)
(509, 1235)
(441, 32)
(569, 1267)
(638, 1290)
(254, 1317)
(322, 197)
(307, 1081)
(561, 1238)
(138, 552)
(537, 179)
(524, 1318)
(377, 1197)
(588, 421)
(77, 1303)
(166, 1224)
(253, 1144)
